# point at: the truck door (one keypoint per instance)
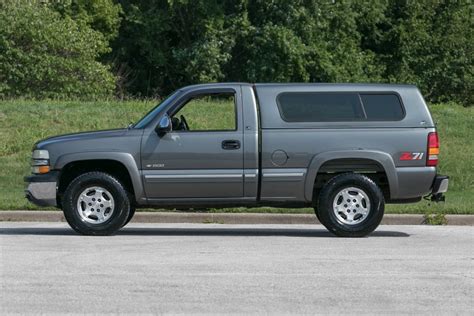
(202, 157)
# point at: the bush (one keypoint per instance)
(45, 55)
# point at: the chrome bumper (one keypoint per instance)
(42, 189)
(440, 186)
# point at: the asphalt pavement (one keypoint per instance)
(213, 268)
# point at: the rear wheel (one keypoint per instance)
(95, 203)
(350, 205)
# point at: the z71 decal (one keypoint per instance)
(411, 156)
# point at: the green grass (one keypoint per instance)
(198, 111)
(23, 122)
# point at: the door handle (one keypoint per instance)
(230, 144)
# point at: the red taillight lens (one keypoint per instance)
(433, 150)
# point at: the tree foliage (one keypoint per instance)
(46, 55)
(158, 46)
(430, 44)
(101, 15)
(167, 44)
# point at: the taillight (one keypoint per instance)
(433, 149)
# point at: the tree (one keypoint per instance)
(427, 43)
(61, 48)
(305, 40)
(167, 44)
(45, 55)
(101, 15)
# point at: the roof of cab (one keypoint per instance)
(339, 85)
(213, 85)
(364, 86)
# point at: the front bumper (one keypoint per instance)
(440, 186)
(42, 189)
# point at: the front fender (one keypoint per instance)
(125, 158)
(384, 159)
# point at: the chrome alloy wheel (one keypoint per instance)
(95, 205)
(351, 206)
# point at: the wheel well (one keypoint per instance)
(367, 167)
(73, 169)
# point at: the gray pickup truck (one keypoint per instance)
(344, 149)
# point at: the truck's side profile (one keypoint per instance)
(346, 149)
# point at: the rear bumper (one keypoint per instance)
(42, 189)
(440, 184)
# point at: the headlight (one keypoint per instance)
(40, 154)
(40, 161)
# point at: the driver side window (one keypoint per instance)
(208, 112)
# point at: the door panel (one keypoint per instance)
(192, 165)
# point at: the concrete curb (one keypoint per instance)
(230, 218)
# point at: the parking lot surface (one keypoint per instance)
(212, 268)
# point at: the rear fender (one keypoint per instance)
(384, 159)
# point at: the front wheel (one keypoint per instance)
(351, 205)
(95, 203)
(130, 216)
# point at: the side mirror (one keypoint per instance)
(164, 126)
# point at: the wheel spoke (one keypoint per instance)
(100, 216)
(350, 216)
(107, 203)
(85, 198)
(345, 194)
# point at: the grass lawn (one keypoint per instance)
(23, 122)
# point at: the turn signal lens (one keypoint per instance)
(40, 169)
(433, 150)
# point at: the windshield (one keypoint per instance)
(152, 114)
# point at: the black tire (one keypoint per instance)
(330, 220)
(315, 205)
(121, 208)
(317, 214)
(130, 215)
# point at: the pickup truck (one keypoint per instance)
(344, 149)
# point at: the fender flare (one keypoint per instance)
(384, 159)
(124, 158)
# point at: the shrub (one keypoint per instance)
(46, 55)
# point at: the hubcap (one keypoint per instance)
(351, 206)
(95, 205)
